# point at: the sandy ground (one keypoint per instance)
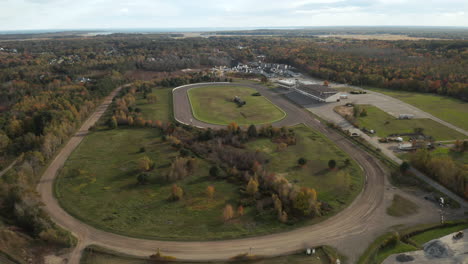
(459, 253)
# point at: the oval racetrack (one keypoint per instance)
(350, 231)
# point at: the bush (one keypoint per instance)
(184, 152)
(404, 167)
(145, 164)
(214, 171)
(143, 178)
(332, 164)
(302, 161)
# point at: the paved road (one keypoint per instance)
(350, 231)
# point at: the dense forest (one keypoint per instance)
(423, 66)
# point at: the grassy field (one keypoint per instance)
(383, 246)
(105, 192)
(448, 109)
(385, 124)
(427, 236)
(398, 247)
(213, 104)
(333, 186)
(460, 158)
(401, 207)
(98, 185)
(161, 110)
(103, 257)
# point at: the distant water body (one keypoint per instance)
(140, 30)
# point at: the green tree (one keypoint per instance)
(214, 171)
(302, 162)
(404, 167)
(112, 122)
(4, 142)
(143, 178)
(332, 164)
(301, 204)
(145, 163)
(252, 131)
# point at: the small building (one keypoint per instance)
(406, 146)
(289, 84)
(319, 92)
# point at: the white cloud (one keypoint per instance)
(329, 10)
(72, 14)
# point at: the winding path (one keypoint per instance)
(350, 231)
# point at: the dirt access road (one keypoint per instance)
(350, 231)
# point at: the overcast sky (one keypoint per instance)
(88, 14)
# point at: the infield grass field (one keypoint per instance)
(214, 104)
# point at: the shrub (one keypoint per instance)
(347, 162)
(112, 122)
(332, 164)
(302, 162)
(282, 146)
(184, 152)
(214, 171)
(145, 164)
(404, 167)
(143, 178)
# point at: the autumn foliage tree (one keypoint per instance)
(240, 210)
(210, 191)
(145, 164)
(233, 127)
(252, 187)
(177, 193)
(228, 213)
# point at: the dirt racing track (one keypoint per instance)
(350, 231)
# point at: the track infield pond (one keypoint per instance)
(215, 105)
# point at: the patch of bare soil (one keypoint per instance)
(344, 110)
